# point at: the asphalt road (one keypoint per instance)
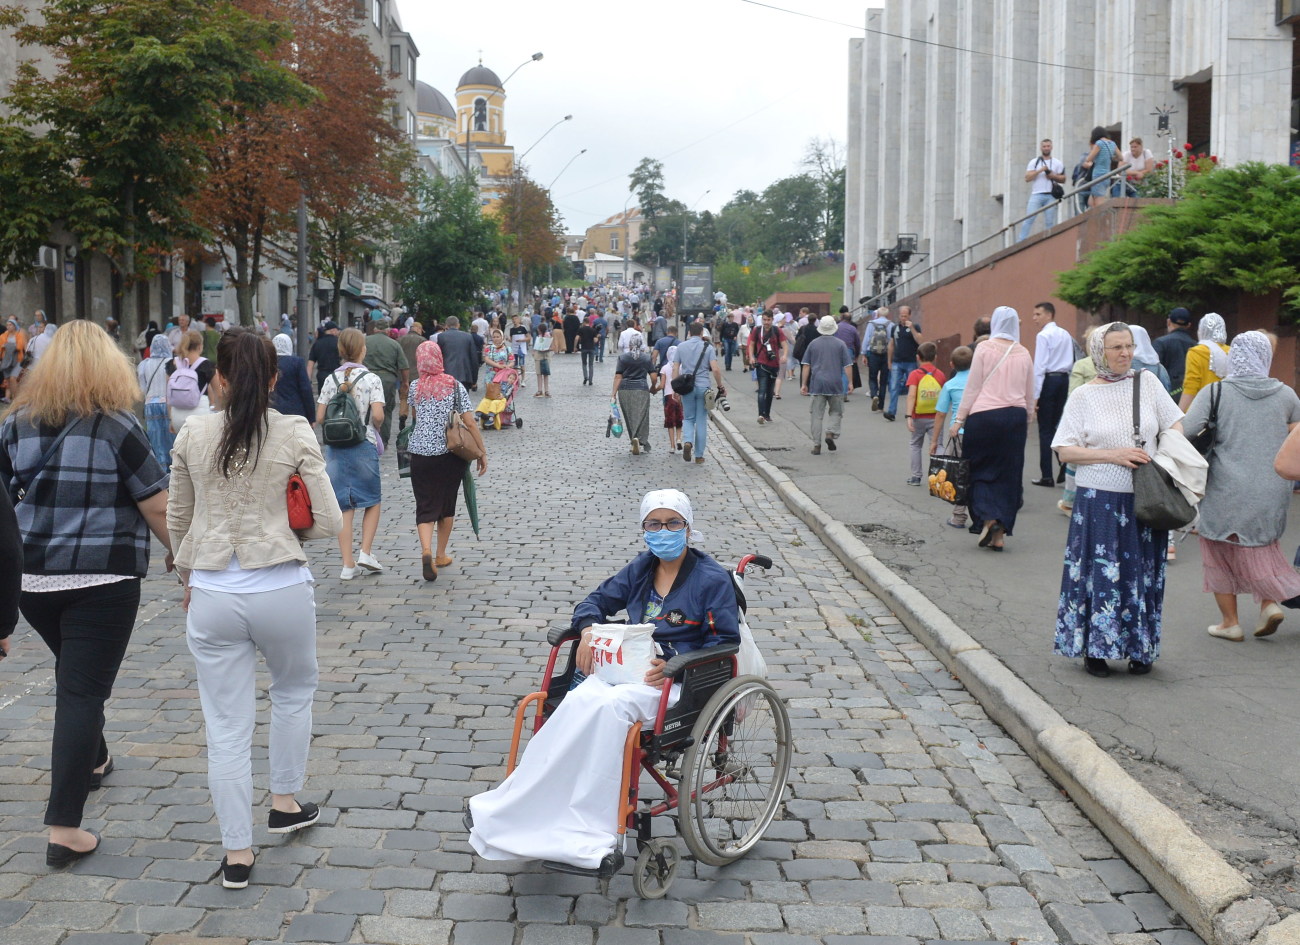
(1226, 716)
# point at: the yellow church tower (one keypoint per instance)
(480, 121)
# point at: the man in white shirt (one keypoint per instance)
(1042, 172)
(625, 338)
(479, 325)
(1053, 359)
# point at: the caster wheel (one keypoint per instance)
(519, 424)
(656, 867)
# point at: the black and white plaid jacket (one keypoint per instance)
(79, 515)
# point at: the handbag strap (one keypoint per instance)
(44, 460)
(1216, 390)
(704, 349)
(1138, 439)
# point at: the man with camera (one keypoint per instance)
(827, 368)
(768, 350)
(1045, 174)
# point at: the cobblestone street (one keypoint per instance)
(910, 816)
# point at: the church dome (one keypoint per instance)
(480, 75)
(429, 101)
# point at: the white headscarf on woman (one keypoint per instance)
(283, 344)
(1212, 332)
(1251, 355)
(1143, 350)
(674, 500)
(1005, 323)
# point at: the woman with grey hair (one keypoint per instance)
(1244, 510)
(632, 388)
(292, 395)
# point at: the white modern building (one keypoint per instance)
(948, 100)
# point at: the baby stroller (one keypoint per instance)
(497, 408)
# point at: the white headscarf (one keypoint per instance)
(283, 344)
(1143, 350)
(1006, 323)
(1251, 355)
(1212, 328)
(674, 500)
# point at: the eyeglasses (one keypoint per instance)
(1121, 347)
(673, 525)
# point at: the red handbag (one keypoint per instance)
(298, 501)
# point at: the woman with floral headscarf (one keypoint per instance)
(1244, 510)
(1113, 582)
(1207, 360)
(632, 388)
(13, 349)
(436, 472)
(995, 410)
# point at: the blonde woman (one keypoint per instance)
(92, 491)
(354, 470)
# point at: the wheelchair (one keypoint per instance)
(720, 755)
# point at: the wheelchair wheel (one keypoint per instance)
(735, 772)
(656, 867)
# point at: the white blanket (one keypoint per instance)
(561, 801)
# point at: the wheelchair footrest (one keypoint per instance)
(609, 866)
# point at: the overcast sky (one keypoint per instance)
(725, 93)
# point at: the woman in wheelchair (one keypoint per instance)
(561, 803)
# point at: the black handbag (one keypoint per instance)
(683, 384)
(949, 477)
(1157, 501)
(1203, 440)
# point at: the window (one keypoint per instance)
(410, 123)
(410, 68)
(395, 59)
(613, 242)
(377, 13)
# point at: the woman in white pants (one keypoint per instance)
(248, 588)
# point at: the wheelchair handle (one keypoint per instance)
(761, 561)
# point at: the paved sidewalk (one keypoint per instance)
(1203, 695)
(911, 817)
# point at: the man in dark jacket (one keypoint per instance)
(1172, 348)
(460, 355)
(571, 325)
(11, 575)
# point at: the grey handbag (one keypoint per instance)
(1157, 501)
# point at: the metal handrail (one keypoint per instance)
(1008, 228)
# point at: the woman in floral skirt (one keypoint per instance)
(1113, 583)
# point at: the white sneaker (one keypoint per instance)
(348, 574)
(1226, 633)
(369, 562)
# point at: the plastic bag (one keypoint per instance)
(615, 423)
(749, 661)
(622, 652)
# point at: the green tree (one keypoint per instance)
(1237, 229)
(740, 223)
(834, 238)
(792, 217)
(745, 287)
(647, 182)
(530, 227)
(451, 251)
(704, 246)
(136, 88)
(824, 160)
(661, 244)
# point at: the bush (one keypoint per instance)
(1187, 165)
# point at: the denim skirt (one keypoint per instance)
(354, 474)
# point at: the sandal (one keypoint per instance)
(430, 572)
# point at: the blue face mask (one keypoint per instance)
(666, 545)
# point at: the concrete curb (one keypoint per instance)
(1193, 878)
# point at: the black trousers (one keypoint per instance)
(766, 387)
(588, 365)
(878, 375)
(1051, 404)
(87, 630)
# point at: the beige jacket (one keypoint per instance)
(211, 517)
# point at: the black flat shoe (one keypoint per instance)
(235, 875)
(1042, 482)
(58, 856)
(1096, 667)
(1138, 668)
(989, 533)
(97, 777)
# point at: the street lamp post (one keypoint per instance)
(544, 134)
(626, 233)
(519, 196)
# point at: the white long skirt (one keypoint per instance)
(562, 800)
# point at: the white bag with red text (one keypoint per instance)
(622, 652)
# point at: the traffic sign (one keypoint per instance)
(853, 273)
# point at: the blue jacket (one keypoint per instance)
(699, 611)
